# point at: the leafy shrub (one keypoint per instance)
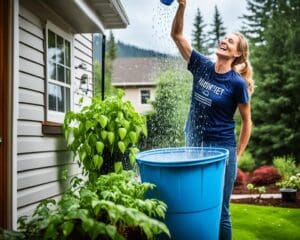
(103, 134)
(286, 166)
(241, 178)
(265, 175)
(291, 182)
(109, 208)
(246, 162)
(170, 108)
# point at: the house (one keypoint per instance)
(138, 77)
(46, 67)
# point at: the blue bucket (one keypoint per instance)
(190, 181)
(167, 2)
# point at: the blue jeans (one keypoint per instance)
(230, 176)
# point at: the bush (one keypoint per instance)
(265, 175)
(246, 162)
(241, 178)
(104, 134)
(170, 108)
(292, 182)
(286, 166)
(108, 208)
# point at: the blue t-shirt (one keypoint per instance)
(213, 103)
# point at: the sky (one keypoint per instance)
(150, 21)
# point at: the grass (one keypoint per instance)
(252, 222)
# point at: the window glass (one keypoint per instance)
(60, 50)
(145, 96)
(58, 72)
(67, 53)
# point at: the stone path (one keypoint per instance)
(265, 195)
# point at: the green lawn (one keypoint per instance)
(252, 222)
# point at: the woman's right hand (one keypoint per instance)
(182, 2)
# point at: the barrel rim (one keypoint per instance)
(222, 154)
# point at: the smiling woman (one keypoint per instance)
(218, 90)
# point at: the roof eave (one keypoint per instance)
(89, 16)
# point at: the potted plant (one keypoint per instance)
(289, 187)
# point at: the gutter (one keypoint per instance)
(90, 14)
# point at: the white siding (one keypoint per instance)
(42, 159)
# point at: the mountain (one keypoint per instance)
(125, 50)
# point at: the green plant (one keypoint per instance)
(112, 207)
(167, 120)
(11, 235)
(104, 135)
(291, 182)
(252, 188)
(108, 206)
(286, 166)
(246, 162)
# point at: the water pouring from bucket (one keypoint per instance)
(167, 2)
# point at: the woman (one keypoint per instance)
(218, 90)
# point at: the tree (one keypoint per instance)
(276, 62)
(111, 47)
(110, 56)
(218, 29)
(166, 123)
(199, 41)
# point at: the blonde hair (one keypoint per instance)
(242, 64)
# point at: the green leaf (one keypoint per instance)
(132, 158)
(144, 130)
(121, 146)
(99, 147)
(103, 121)
(82, 155)
(125, 124)
(122, 133)
(103, 134)
(118, 167)
(98, 161)
(111, 137)
(133, 137)
(88, 125)
(67, 228)
(120, 115)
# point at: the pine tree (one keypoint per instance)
(276, 62)
(111, 47)
(111, 55)
(199, 41)
(218, 29)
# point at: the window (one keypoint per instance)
(58, 73)
(145, 96)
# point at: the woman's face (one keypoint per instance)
(227, 47)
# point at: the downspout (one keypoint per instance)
(103, 66)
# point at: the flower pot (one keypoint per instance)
(288, 194)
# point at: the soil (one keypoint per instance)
(276, 202)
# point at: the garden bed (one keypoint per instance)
(276, 202)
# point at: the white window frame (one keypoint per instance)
(54, 116)
(145, 89)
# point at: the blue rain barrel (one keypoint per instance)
(190, 181)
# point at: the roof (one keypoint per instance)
(90, 16)
(139, 71)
